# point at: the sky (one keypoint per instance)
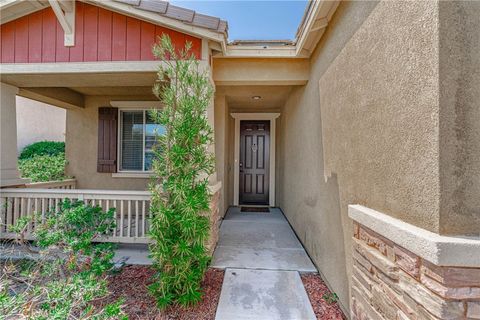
(253, 20)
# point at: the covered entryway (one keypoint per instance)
(254, 158)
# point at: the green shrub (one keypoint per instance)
(182, 165)
(70, 272)
(42, 168)
(42, 148)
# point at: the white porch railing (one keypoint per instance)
(132, 209)
(61, 184)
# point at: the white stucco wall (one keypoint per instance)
(37, 121)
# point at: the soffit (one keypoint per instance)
(240, 97)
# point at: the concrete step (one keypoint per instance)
(258, 258)
(263, 294)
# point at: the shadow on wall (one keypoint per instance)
(324, 240)
(311, 203)
(37, 121)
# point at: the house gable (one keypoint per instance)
(100, 35)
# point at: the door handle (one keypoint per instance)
(241, 167)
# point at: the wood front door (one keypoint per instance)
(254, 162)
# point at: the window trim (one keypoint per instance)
(132, 106)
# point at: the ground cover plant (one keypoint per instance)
(182, 165)
(43, 161)
(67, 273)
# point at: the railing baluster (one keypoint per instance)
(22, 207)
(121, 218)
(28, 214)
(35, 213)
(136, 218)
(117, 215)
(3, 212)
(144, 219)
(16, 210)
(50, 207)
(129, 214)
(44, 209)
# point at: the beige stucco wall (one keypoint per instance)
(380, 117)
(365, 129)
(221, 148)
(37, 121)
(459, 117)
(81, 147)
(389, 119)
(9, 174)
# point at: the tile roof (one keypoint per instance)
(185, 15)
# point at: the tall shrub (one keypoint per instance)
(182, 165)
(42, 148)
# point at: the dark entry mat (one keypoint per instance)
(254, 209)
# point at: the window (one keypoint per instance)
(138, 134)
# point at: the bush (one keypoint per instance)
(70, 273)
(42, 148)
(42, 168)
(182, 165)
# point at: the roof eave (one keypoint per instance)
(314, 23)
(171, 23)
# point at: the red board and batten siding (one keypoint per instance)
(100, 35)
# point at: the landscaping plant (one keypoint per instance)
(42, 148)
(43, 161)
(69, 273)
(43, 168)
(182, 165)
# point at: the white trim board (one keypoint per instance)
(86, 67)
(440, 250)
(236, 176)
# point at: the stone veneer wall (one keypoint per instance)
(390, 282)
(214, 222)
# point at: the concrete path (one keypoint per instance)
(263, 294)
(259, 241)
(262, 257)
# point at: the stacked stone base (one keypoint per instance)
(390, 282)
(214, 222)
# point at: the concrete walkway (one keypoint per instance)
(263, 258)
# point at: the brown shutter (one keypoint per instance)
(107, 139)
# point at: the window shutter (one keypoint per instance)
(107, 139)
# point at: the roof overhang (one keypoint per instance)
(314, 23)
(125, 7)
(13, 9)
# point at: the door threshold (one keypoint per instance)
(254, 205)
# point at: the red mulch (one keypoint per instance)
(131, 284)
(316, 289)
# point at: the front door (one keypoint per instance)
(254, 162)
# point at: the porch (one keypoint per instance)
(131, 208)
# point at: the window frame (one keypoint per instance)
(125, 106)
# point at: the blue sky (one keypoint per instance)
(253, 20)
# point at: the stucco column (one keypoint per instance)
(9, 175)
(211, 122)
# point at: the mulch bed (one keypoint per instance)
(317, 290)
(131, 284)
